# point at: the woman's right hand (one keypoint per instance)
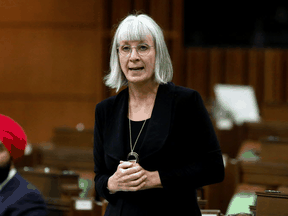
(127, 177)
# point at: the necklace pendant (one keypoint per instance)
(133, 157)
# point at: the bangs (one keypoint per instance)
(133, 31)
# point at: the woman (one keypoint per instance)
(154, 143)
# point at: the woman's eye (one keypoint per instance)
(143, 47)
(126, 48)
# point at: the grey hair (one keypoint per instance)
(137, 27)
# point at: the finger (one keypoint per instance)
(132, 187)
(132, 177)
(137, 188)
(125, 164)
(137, 182)
(129, 171)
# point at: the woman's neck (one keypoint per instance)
(142, 94)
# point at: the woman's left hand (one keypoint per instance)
(152, 180)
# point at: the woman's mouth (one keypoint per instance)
(136, 68)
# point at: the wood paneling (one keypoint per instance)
(49, 11)
(275, 112)
(264, 69)
(161, 12)
(255, 72)
(235, 66)
(197, 76)
(50, 64)
(216, 68)
(177, 51)
(142, 6)
(120, 9)
(50, 61)
(38, 118)
(56, 53)
(269, 79)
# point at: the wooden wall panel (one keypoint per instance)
(142, 5)
(49, 11)
(285, 76)
(279, 77)
(50, 64)
(178, 53)
(270, 66)
(56, 53)
(50, 61)
(197, 70)
(275, 64)
(217, 69)
(255, 72)
(39, 118)
(120, 9)
(275, 112)
(161, 11)
(264, 69)
(235, 66)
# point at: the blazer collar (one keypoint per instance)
(157, 131)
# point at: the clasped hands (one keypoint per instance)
(130, 176)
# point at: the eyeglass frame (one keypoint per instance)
(132, 48)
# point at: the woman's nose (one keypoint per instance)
(134, 54)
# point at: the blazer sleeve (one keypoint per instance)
(101, 176)
(206, 166)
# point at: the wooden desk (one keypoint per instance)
(274, 149)
(270, 204)
(68, 158)
(70, 137)
(86, 207)
(70, 149)
(231, 140)
(255, 131)
(53, 184)
(264, 173)
(210, 212)
(58, 207)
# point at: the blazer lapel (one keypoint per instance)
(159, 125)
(157, 131)
(115, 133)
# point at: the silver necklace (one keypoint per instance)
(133, 154)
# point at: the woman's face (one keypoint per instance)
(138, 69)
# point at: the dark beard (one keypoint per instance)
(4, 171)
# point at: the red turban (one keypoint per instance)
(12, 136)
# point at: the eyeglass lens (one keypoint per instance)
(142, 49)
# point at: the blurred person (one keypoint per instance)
(154, 143)
(17, 196)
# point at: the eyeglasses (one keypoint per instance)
(142, 49)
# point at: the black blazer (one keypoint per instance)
(180, 143)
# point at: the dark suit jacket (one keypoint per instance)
(180, 143)
(19, 197)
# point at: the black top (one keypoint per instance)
(135, 129)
